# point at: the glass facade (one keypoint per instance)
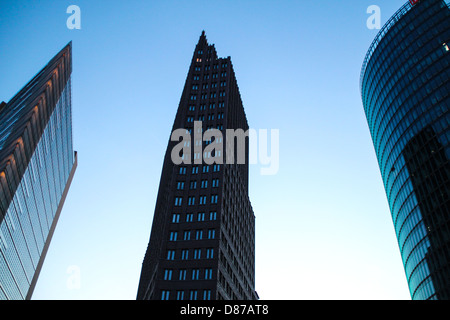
(405, 87)
(38, 164)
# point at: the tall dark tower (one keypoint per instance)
(202, 242)
(405, 86)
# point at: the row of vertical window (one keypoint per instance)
(195, 274)
(208, 66)
(182, 295)
(208, 127)
(195, 169)
(191, 200)
(190, 217)
(195, 254)
(205, 96)
(209, 117)
(207, 76)
(202, 107)
(193, 184)
(189, 235)
(205, 86)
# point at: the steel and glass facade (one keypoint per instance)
(405, 87)
(37, 164)
(202, 241)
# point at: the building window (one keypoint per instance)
(201, 216)
(180, 295)
(165, 295)
(214, 198)
(178, 201)
(175, 218)
(205, 169)
(216, 168)
(211, 233)
(191, 201)
(213, 215)
(208, 274)
(189, 217)
(210, 253)
(193, 295)
(170, 254)
(182, 275)
(215, 183)
(184, 254)
(197, 254)
(182, 170)
(195, 274)
(173, 236)
(204, 184)
(180, 185)
(168, 274)
(207, 295)
(198, 235)
(187, 235)
(195, 170)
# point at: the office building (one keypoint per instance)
(37, 164)
(405, 87)
(202, 242)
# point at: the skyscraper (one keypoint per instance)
(202, 242)
(405, 86)
(37, 164)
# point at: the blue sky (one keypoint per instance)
(323, 226)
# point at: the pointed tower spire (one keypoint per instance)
(202, 42)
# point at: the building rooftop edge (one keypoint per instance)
(380, 36)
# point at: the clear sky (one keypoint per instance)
(323, 226)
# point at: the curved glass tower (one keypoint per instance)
(405, 88)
